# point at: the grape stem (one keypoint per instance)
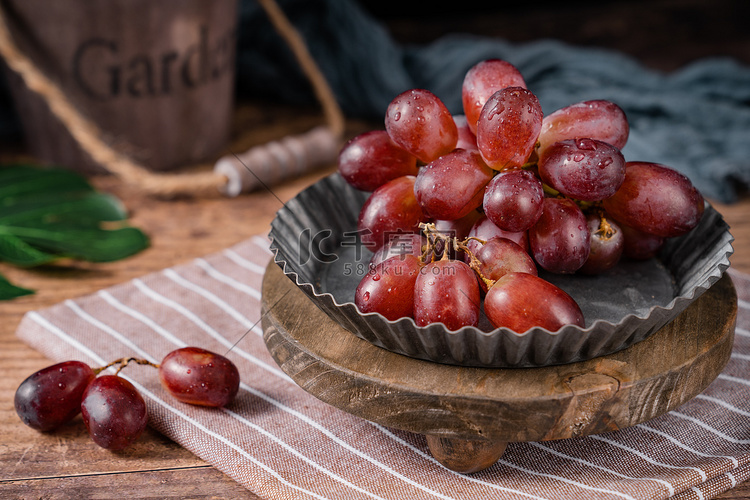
(475, 239)
(123, 362)
(434, 236)
(549, 190)
(605, 230)
(554, 193)
(474, 263)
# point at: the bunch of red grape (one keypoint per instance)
(464, 208)
(113, 410)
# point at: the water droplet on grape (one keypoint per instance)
(578, 157)
(497, 110)
(375, 277)
(397, 116)
(366, 296)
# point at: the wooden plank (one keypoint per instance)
(69, 452)
(191, 482)
(738, 217)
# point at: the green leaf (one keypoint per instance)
(94, 245)
(46, 214)
(18, 252)
(79, 209)
(11, 173)
(20, 180)
(10, 291)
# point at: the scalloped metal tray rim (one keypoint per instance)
(676, 305)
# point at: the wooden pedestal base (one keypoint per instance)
(470, 414)
(464, 455)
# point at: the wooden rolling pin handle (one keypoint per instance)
(276, 161)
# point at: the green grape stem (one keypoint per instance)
(583, 205)
(549, 190)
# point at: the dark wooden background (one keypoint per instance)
(663, 34)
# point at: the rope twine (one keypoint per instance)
(232, 174)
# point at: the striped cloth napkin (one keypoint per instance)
(280, 442)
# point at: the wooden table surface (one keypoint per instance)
(67, 464)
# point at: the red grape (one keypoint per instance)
(584, 169)
(388, 288)
(466, 138)
(521, 301)
(481, 81)
(500, 256)
(418, 121)
(453, 185)
(447, 291)
(597, 119)
(485, 229)
(391, 209)
(508, 128)
(560, 240)
(607, 244)
(114, 412)
(513, 200)
(400, 244)
(656, 199)
(199, 377)
(639, 245)
(52, 396)
(371, 159)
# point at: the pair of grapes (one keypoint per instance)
(480, 200)
(113, 410)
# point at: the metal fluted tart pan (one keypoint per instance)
(314, 241)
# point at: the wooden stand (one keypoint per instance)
(470, 414)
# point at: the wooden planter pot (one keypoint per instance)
(156, 77)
